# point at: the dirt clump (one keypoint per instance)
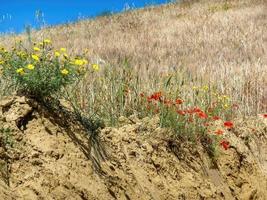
(41, 158)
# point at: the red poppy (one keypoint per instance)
(265, 115)
(202, 115)
(216, 118)
(225, 144)
(179, 101)
(228, 124)
(181, 112)
(156, 96)
(219, 132)
(197, 110)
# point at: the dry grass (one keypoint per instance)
(220, 43)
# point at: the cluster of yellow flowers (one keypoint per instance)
(41, 56)
(39, 51)
(41, 65)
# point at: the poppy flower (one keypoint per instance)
(194, 110)
(202, 115)
(216, 118)
(228, 124)
(178, 101)
(219, 132)
(156, 96)
(264, 115)
(225, 144)
(181, 112)
(197, 110)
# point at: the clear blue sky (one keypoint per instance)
(15, 14)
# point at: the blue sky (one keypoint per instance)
(15, 14)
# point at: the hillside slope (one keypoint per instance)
(48, 161)
(220, 45)
(51, 161)
(213, 40)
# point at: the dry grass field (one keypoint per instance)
(221, 44)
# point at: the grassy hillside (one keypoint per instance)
(219, 44)
(165, 102)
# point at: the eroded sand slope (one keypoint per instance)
(41, 159)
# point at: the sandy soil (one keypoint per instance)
(41, 158)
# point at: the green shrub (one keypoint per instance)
(39, 70)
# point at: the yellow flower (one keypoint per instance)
(57, 54)
(63, 50)
(21, 54)
(78, 62)
(95, 67)
(65, 56)
(47, 41)
(1, 62)
(20, 71)
(35, 57)
(195, 87)
(205, 88)
(64, 72)
(36, 49)
(30, 67)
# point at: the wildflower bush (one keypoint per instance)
(39, 70)
(206, 118)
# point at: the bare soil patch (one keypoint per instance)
(41, 159)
